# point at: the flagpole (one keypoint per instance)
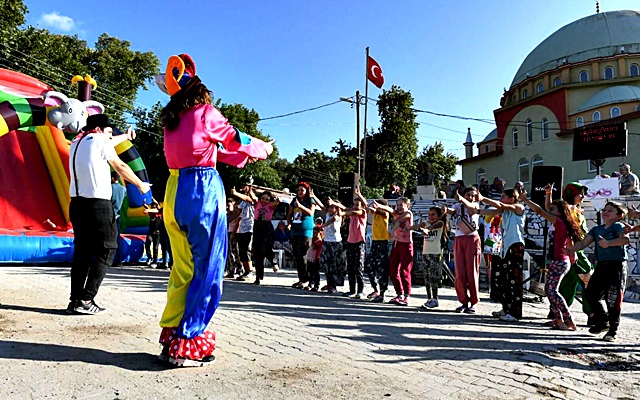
(366, 102)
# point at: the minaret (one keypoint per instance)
(468, 145)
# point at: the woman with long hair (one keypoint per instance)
(196, 138)
(300, 221)
(567, 232)
(581, 270)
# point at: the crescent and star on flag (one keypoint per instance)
(374, 72)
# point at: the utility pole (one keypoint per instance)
(357, 101)
(358, 130)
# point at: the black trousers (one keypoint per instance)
(377, 269)
(355, 266)
(95, 243)
(167, 254)
(152, 242)
(300, 246)
(262, 246)
(313, 268)
(509, 278)
(608, 282)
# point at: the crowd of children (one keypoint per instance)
(324, 248)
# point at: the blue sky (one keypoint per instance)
(282, 56)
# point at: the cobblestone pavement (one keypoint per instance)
(276, 342)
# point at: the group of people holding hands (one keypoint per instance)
(335, 245)
(568, 267)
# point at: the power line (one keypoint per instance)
(318, 184)
(443, 128)
(417, 110)
(301, 111)
(485, 120)
(51, 76)
(124, 103)
(327, 176)
(319, 178)
(69, 74)
(312, 124)
(437, 138)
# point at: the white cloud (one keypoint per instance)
(58, 22)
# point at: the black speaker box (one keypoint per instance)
(540, 177)
(347, 182)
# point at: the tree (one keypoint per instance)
(346, 159)
(434, 162)
(55, 59)
(391, 152)
(150, 145)
(120, 73)
(263, 173)
(12, 14)
(315, 168)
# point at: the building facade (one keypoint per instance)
(587, 72)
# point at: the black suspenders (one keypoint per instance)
(75, 174)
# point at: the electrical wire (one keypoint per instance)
(300, 111)
(318, 177)
(125, 104)
(51, 76)
(437, 138)
(121, 104)
(443, 128)
(322, 174)
(68, 73)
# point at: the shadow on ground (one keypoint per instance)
(401, 334)
(58, 353)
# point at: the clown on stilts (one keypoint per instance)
(196, 137)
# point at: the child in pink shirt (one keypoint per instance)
(262, 247)
(355, 248)
(401, 259)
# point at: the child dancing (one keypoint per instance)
(435, 234)
(401, 259)
(610, 276)
(567, 232)
(466, 250)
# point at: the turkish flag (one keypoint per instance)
(374, 72)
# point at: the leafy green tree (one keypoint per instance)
(120, 73)
(346, 158)
(150, 145)
(315, 168)
(12, 14)
(263, 173)
(55, 59)
(391, 152)
(434, 162)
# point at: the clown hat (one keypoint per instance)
(180, 74)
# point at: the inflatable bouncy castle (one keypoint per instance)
(34, 173)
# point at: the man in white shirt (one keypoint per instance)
(91, 211)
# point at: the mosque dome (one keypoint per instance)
(491, 136)
(599, 35)
(611, 95)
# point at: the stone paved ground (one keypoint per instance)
(280, 343)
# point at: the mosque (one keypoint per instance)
(585, 74)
